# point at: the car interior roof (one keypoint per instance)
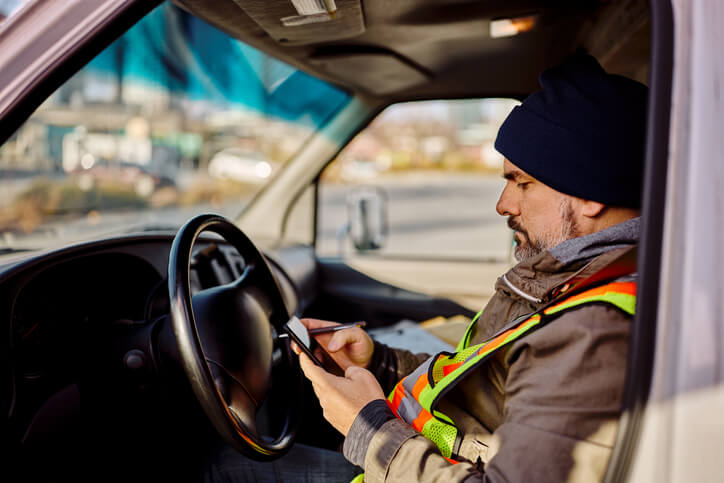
(391, 51)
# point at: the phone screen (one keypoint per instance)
(298, 329)
(299, 334)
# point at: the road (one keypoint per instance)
(431, 215)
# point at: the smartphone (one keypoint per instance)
(299, 334)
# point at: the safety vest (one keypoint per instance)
(414, 399)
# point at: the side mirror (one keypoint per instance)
(367, 217)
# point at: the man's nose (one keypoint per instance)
(506, 206)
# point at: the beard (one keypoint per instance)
(529, 248)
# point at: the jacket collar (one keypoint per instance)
(537, 280)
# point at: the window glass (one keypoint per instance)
(421, 181)
(299, 220)
(173, 119)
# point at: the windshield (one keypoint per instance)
(173, 119)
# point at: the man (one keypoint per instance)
(541, 402)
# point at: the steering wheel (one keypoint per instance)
(226, 338)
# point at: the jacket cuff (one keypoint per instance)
(384, 447)
(383, 365)
(365, 425)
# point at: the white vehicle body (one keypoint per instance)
(683, 425)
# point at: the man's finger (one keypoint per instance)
(362, 378)
(312, 371)
(295, 348)
(319, 353)
(342, 338)
(317, 323)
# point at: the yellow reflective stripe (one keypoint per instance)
(358, 479)
(428, 394)
(468, 332)
(443, 435)
(623, 301)
(443, 417)
(533, 321)
(486, 347)
(440, 363)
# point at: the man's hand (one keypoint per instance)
(342, 398)
(348, 347)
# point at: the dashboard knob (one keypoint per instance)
(134, 359)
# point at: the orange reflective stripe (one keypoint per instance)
(451, 367)
(420, 420)
(628, 288)
(392, 408)
(451, 461)
(498, 341)
(399, 394)
(419, 385)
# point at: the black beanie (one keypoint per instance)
(583, 134)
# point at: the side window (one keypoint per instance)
(419, 185)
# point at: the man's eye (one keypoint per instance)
(523, 185)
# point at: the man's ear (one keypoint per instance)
(592, 209)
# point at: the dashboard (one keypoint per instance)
(72, 315)
(64, 308)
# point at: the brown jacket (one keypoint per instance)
(545, 409)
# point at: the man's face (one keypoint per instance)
(540, 216)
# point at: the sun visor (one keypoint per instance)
(299, 22)
(377, 73)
